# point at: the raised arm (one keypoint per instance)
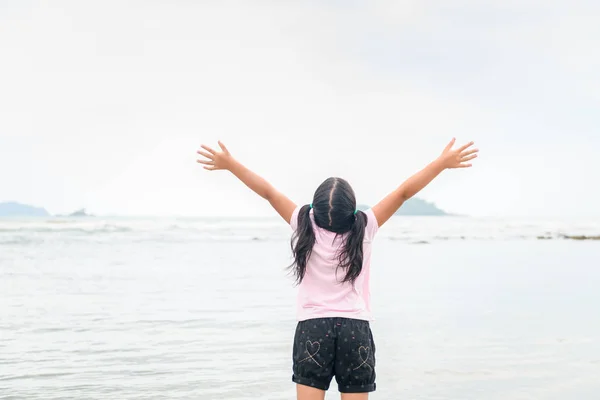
(223, 160)
(450, 158)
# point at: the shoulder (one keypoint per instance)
(372, 225)
(296, 215)
(294, 218)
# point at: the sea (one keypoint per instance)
(203, 308)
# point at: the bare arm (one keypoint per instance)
(448, 159)
(225, 161)
(284, 206)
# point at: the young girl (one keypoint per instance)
(331, 245)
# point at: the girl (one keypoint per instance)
(331, 245)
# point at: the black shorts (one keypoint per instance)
(340, 347)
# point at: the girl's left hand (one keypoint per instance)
(215, 160)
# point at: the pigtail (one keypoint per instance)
(351, 254)
(302, 243)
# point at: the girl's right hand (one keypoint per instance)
(215, 160)
(457, 158)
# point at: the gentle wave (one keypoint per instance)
(107, 228)
(29, 241)
(414, 230)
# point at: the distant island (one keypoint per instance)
(415, 207)
(13, 209)
(78, 213)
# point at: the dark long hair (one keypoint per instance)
(334, 206)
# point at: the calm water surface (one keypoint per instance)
(197, 309)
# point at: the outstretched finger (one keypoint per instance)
(210, 168)
(222, 146)
(205, 154)
(468, 158)
(469, 152)
(466, 146)
(449, 145)
(459, 165)
(208, 149)
(205, 162)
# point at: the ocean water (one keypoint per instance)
(203, 309)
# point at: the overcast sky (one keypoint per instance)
(104, 103)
